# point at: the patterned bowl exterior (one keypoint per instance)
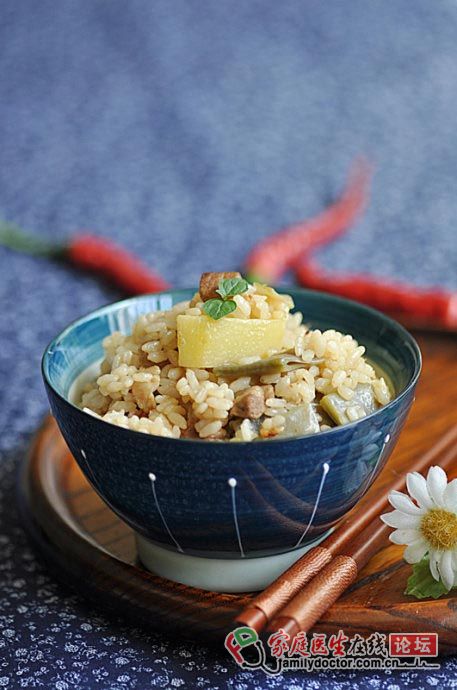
(222, 499)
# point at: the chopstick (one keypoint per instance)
(323, 590)
(356, 538)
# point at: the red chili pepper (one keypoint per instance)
(271, 258)
(91, 253)
(415, 306)
(107, 259)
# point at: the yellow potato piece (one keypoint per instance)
(204, 342)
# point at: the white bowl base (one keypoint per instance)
(218, 574)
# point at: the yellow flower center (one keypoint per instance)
(439, 528)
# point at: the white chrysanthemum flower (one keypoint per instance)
(429, 525)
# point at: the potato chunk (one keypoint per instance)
(205, 343)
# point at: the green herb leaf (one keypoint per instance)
(217, 308)
(422, 584)
(228, 287)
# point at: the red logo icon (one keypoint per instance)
(413, 644)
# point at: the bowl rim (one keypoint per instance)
(284, 289)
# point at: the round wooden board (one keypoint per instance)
(92, 549)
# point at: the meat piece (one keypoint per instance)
(250, 403)
(209, 282)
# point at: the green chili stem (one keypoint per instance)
(14, 238)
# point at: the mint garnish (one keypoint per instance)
(228, 287)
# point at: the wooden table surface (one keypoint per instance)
(89, 547)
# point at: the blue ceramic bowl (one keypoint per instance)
(222, 499)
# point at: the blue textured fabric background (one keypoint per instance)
(187, 131)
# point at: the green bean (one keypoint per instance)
(277, 364)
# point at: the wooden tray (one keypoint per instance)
(90, 548)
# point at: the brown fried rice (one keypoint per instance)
(142, 387)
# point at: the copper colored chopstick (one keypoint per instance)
(266, 604)
(323, 590)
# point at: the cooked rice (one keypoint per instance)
(142, 387)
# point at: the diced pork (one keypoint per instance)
(209, 282)
(250, 403)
